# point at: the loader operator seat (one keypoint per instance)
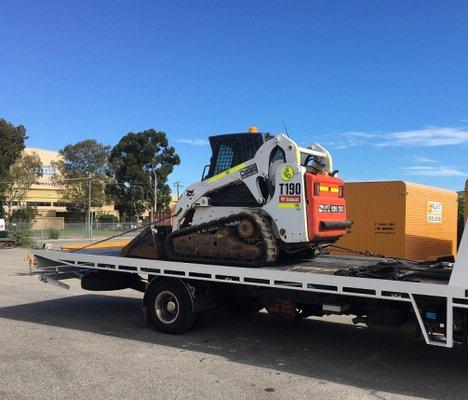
(233, 149)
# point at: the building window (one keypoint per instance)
(39, 203)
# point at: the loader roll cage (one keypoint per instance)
(232, 149)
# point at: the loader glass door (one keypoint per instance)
(225, 158)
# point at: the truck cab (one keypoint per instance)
(5, 241)
(3, 232)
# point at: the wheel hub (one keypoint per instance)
(171, 306)
(246, 229)
(166, 307)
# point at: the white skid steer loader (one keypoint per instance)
(260, 196)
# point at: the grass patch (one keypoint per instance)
(53, 233)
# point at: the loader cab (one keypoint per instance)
(232, 149)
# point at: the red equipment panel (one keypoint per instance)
(326, 208)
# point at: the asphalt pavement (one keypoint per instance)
(73, 344)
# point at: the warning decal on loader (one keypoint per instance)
(287, 173)
(289, 201)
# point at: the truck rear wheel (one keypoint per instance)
(170, 307)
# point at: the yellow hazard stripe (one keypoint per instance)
(226, 173)
(76, 246)
(289, 205)
(328, 189)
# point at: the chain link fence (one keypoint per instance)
(42, 231)
(80, 230)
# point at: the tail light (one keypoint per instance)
(341, 191)
(316, 189)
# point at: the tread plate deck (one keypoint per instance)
(315, 275)
(323, 264)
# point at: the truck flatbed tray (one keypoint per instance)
(318, 273)
(323, 264)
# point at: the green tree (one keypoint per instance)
(23, 174)
(74, 213)
(82, 164)
(107, 218)
(11, 145)
(133, 162)
(25, 214)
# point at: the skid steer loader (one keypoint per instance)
(260, 196)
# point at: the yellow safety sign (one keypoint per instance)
(288, 173)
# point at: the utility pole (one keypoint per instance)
(177, 185)
(155, 206)
(89, 208)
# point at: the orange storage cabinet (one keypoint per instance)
(400, 219)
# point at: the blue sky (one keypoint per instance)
(382, 84)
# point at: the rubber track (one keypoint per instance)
(269, 256)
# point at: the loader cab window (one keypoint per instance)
(224, 159)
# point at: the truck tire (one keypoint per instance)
(170, 307)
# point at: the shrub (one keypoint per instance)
(23, 237)
(53, 233)
(108, 218)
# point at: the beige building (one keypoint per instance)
(45, 196)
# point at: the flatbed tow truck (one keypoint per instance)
(421, 299)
